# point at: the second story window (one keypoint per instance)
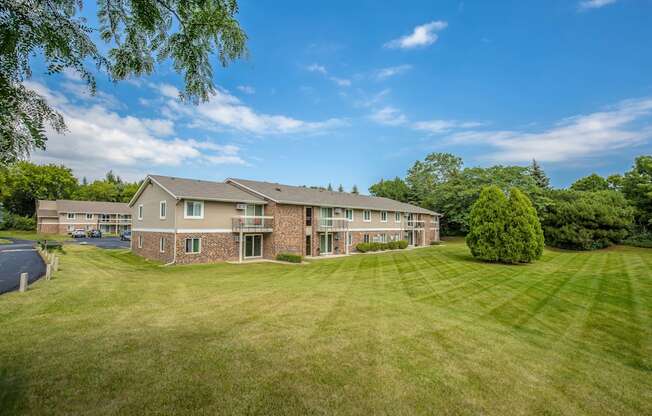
(383, 216)
(71, 215)
(140, 211)
(366, 215)
(89, 216)
(397, 217)
(308, 216)
(163, 209)
(349, 214)
(194, 210)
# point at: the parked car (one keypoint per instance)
(78, 233)
(95, 234)
(125, 236)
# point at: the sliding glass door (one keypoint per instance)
(253, 246)
(326, 243)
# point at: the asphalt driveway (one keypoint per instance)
(104, 242)
(18, 257)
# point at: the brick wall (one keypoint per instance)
(151, 248)
(289, 235)
(214, 247)
(48, 228)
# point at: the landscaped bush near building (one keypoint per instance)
(392, 245)
(504, 230)
(587, 220)
(639, 240)
(289, 257)
(17, 222)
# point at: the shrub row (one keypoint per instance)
(17, 222)
(392, 245)
(289, 257)
(639, 240)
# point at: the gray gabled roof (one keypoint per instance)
(182, 188)
(51, 208)
(300, 195)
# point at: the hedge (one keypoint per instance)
(392, 245)
(17, 222)
(289, 257)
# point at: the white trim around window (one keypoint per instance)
(397, 217)
(383, 216)
(349, 239)
(162, 209)
(140, 241)
(348, 211)
(193, 248)
(161, 245)
(140, 212)
(196, 208)
(366, 215)
(89, 216)
(71, 215)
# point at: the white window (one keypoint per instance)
(383, 238)
(194, 210)
(366, 215)
(140, 212)
(397, 217)
(89, 216)
(365, 238)
(348, 213)
(383, 216)
(71, 228)
(71, 215)
(140, 241)
(193, 245)
(349, 239)
(161, 245)
(163, 209)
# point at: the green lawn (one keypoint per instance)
(3, 241)
(428, 331)
(32, 235)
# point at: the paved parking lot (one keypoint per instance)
(104, 242)
(16, 258)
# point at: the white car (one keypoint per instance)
(78, 233)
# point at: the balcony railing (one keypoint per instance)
(114, 220)
(252, 223)
(333, 224)
(414, 224)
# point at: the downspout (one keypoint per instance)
(174, 245)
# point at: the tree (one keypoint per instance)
(330, 187)
(98, 191)
(423, 177)
(136, 35)
(584, 220)
(591, 183)
(340, 188)
(394, 189)
(487, 223)
(637, 187)
(23, 183)
(355, 190)
(539, 175)
(523, 233)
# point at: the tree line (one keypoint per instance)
(23, 183)
(594, 212)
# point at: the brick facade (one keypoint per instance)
(151, 245)
(214, 247)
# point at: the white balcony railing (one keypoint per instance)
(333, 224)
(252, 223)
(415, 224)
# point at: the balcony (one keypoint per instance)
(252, 224)
(333, 224)
(415, 224)
(114, 220)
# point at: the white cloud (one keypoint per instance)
(422, 35)
(99, 139)
(626, 124)
(595, 4)
(443, 126)
(225, 111)
(391, 71)
(389, 116)
(342, 82)
(168, 90)
(247, 89)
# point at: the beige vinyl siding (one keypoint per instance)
(375, 223)
(217, 216)
(150, 199)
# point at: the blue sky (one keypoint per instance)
(351, 92)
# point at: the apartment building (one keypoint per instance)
(64, 216)
(194, 221)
